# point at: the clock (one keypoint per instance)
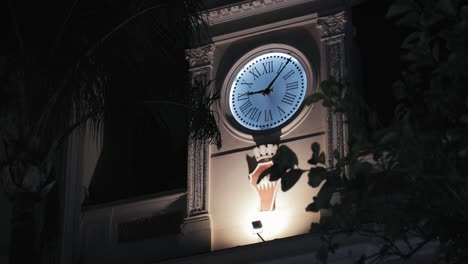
(267, 88)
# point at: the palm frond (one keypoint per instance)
(203, 124)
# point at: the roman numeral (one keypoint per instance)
(279, 69)
(292, 85)
(242, 97)
(255, 114)
(288, 98)
(244, 82)
(257, 73)
(268, 115)
(281, 111)
(285, 77)
(267, 67)
(245, 106)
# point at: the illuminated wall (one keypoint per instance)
(233, 202)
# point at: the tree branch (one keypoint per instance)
(62, 28)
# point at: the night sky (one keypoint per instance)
(378, 40)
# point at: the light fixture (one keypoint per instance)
(257, 228)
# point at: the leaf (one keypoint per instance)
(399, 91)
(312, 207)
(32, 178)
(314, 98)
(410, 20)
(276, 173)
(322, 200)
(429, 18)
(314, 227)
(411, 40)
(327, 103)
(389, 137)
(315, 154)
(361, 260)
(398, 9)
(464, 119)
(46, 189)
(322, 254)
(285, 158)
(336, 154)
(321, 158)
(446, 7)
(290, 179)
(316, 176)
(315, 147)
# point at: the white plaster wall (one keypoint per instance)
(232, 201)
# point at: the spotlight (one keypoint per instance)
(257, 228)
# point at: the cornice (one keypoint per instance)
(244, 9)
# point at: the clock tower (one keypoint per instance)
(266, 57)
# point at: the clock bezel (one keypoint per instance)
(240, 131)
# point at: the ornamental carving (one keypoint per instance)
(332, 25)
(200, 62)
(334, 54)
(197, 178)
(266, 190)
(333, 47)
(246, 8)
(199, 57)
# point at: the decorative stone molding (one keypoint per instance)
(201, 65)
(199, 57)
(197, 179)
(247, 8)
(266, 190)
(332, 25)
(265, 151)
(333, 33)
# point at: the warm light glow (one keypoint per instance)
(274, 223)
(236, 199)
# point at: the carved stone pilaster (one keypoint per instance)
(333, 31)
(201, 64)
(197, 178)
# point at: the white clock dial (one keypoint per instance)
(267, 90)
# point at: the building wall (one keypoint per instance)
(232, 201)
(143, 230)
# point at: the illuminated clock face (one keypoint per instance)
(267, 90)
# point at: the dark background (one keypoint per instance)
(378, 40)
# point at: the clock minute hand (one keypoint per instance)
(274, 79)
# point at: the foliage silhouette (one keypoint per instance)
(285, 167)
(406, 183)
(53, 84)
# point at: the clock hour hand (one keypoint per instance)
(264, 92)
